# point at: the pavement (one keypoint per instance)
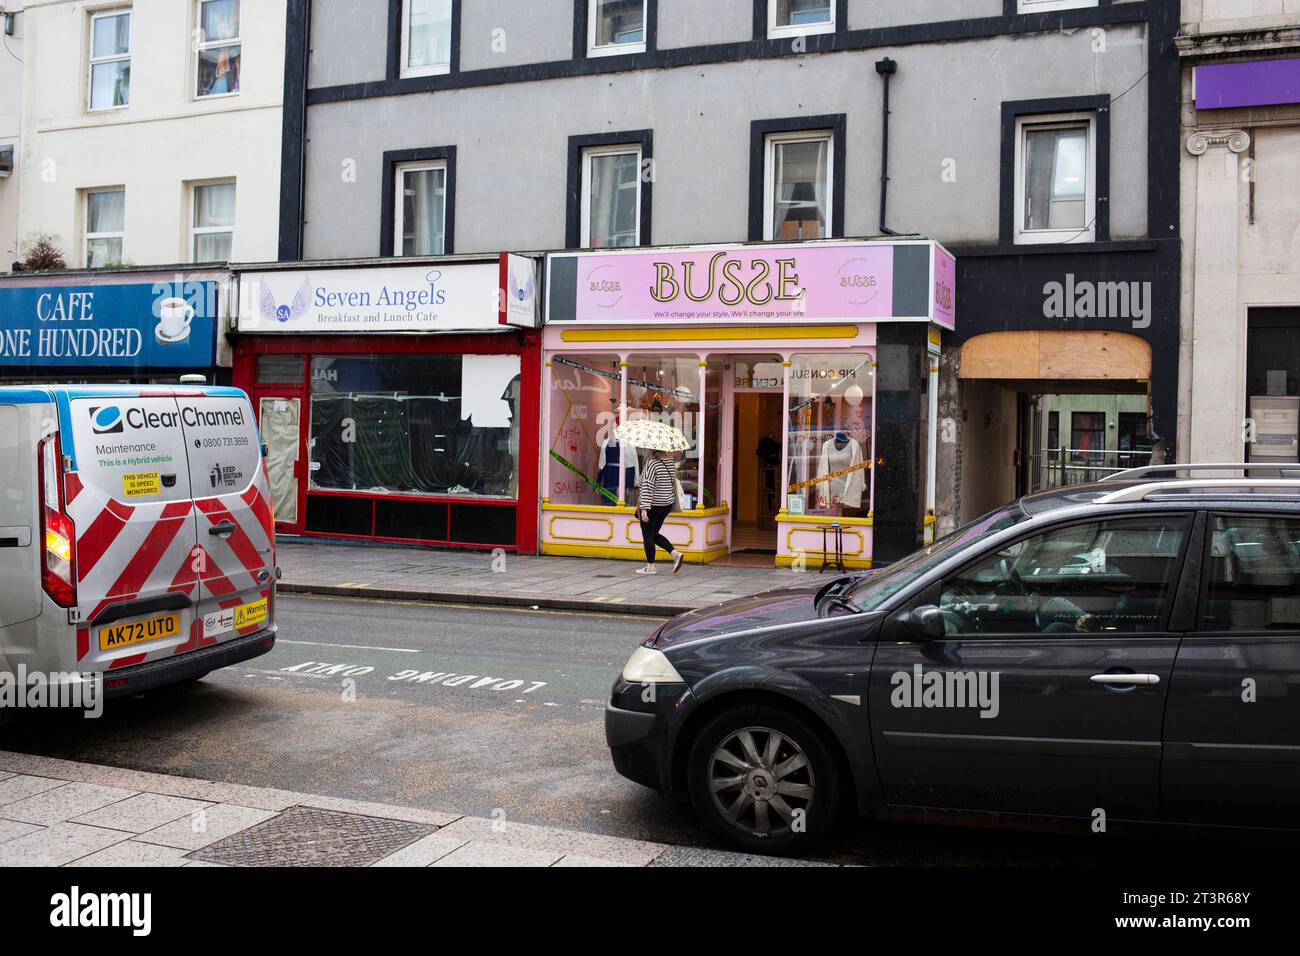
(510, 580)
(57, 812)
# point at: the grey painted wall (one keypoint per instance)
(535, 31)
(349, 42)
(864, 14)
(695, 23)
(512, 157)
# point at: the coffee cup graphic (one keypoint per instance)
(174, 318)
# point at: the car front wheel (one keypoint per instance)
(765, 779)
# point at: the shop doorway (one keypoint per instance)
(756, 480)
(1044, 410)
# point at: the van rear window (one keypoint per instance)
(222, 440)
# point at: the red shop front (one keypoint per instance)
(397, 403)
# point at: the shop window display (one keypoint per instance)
(830, 434)
(585, 393)
(443, 425)
(666, 389)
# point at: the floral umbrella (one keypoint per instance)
(653, 435)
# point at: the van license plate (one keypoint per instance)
(138, 632)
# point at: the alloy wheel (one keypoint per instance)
(761, 781)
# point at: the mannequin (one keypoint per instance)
(840, 452)
(607, 465)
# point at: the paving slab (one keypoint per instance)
(700, 856)
(57, 845)
(133, 853)
(63, 803)
(145, 811)
(215, 823)
(559, 842)
(423, 852)
(21, 786)
(498, 854)
(12, 830)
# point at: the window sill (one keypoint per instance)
(786, 33)
(619, 49)
(410, 74)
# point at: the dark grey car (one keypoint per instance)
(1125, 651)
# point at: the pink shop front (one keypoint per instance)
(768, 358)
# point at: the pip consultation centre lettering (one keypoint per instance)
(726, 282)
(58, 335)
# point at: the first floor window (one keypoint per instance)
(426, 37)
(798, 197)
(110, 59)
(792, 17)
(219, 48)
(1047, 6)
(105, 223)
(416, 424)
(1055, 178)
(611, 198)
(421, 214)
(214, 222)
(616, 26)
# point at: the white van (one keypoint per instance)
(136, 537)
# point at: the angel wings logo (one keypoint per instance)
(270, 310)
(521, 293)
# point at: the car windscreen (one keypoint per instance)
(874, 589)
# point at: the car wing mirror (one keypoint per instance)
(921, 623)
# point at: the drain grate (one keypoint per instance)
(302, 836)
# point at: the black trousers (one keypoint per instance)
(650, 535)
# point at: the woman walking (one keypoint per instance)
(658, 496)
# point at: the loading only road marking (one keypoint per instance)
(436, 678)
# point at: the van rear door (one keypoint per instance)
(128, 494)
(20, 520)
(236, 532)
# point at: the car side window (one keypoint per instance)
(1252, 574)
(1098, 577)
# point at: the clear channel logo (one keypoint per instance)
(106, 420)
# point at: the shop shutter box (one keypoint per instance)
(1277, 424)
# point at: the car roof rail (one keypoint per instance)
(1128, 474)
(1152, 488)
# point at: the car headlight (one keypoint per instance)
(648, 666)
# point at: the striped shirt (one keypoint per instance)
(658, 482)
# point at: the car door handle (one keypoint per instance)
(1144, 679)
(223, 527)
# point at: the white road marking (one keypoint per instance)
(355, 647)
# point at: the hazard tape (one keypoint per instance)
(828, 477)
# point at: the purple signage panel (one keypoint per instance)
(1247, 83)
(945, 289)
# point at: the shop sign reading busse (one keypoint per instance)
(814, 282)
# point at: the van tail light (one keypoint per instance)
(58, 534)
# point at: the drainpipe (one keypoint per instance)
(886, 68)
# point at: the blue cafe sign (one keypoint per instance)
(134, 325)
